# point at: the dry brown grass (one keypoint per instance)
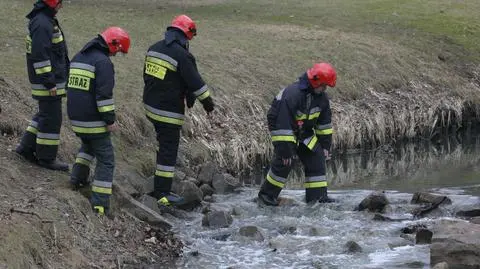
(391, 83)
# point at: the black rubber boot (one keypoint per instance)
(313, 195)
(327, 200)
(267, 200)
(169, 199)
(28, 154)
(79, 176)
(269, 193)
(53, 165)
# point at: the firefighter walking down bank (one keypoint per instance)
(299, 121)
(171, 76)
(91, 111)
(47, 66)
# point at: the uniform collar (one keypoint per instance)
(97, 43)
(304, 84)
(41, 7)
(176, 35)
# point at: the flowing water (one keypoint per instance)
(314, 236)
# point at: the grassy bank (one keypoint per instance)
(401, 65)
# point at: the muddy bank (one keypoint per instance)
(44, 224)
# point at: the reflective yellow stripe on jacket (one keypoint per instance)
(283, 135)
(164, 116)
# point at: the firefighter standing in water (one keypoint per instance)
(299, 120)
(91, 111)
(171, 76)
(47, 65)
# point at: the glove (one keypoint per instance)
(190, 100)
(208, 104)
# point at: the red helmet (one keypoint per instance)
(117, 39)
(322, 73)
(52, 3)
(187, 25)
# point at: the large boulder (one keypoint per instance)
(429, 198)
(207, 190)
(225, 183)
(374, 202)
(190, 192)
(469, 213)
(456, 243)
(217, 219)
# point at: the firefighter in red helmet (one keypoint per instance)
(299, 121)
(47, 66)
(91, 111)
(171, 77)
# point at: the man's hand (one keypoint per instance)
(112, 127)
(287, 161)
(327, 155)
(208, 104)
(53, 91)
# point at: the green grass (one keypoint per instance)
(248, 50)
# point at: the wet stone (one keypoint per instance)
(206, 173)
(429, 198)
(469, 213)
(413, 228)
(375, 202)
(287, 230)
(207, 190)
(225, 183)
(217, 219)
(252, 232)
(423, 236)
(352, 247)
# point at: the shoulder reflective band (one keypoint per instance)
(105, 105)
(164, 116)
(28, 44)
(42, 67)
(202, 93)
(80, 76)
(283, 135)
(156, 64)
(163, 60)
(89, 127)
(57, 37)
